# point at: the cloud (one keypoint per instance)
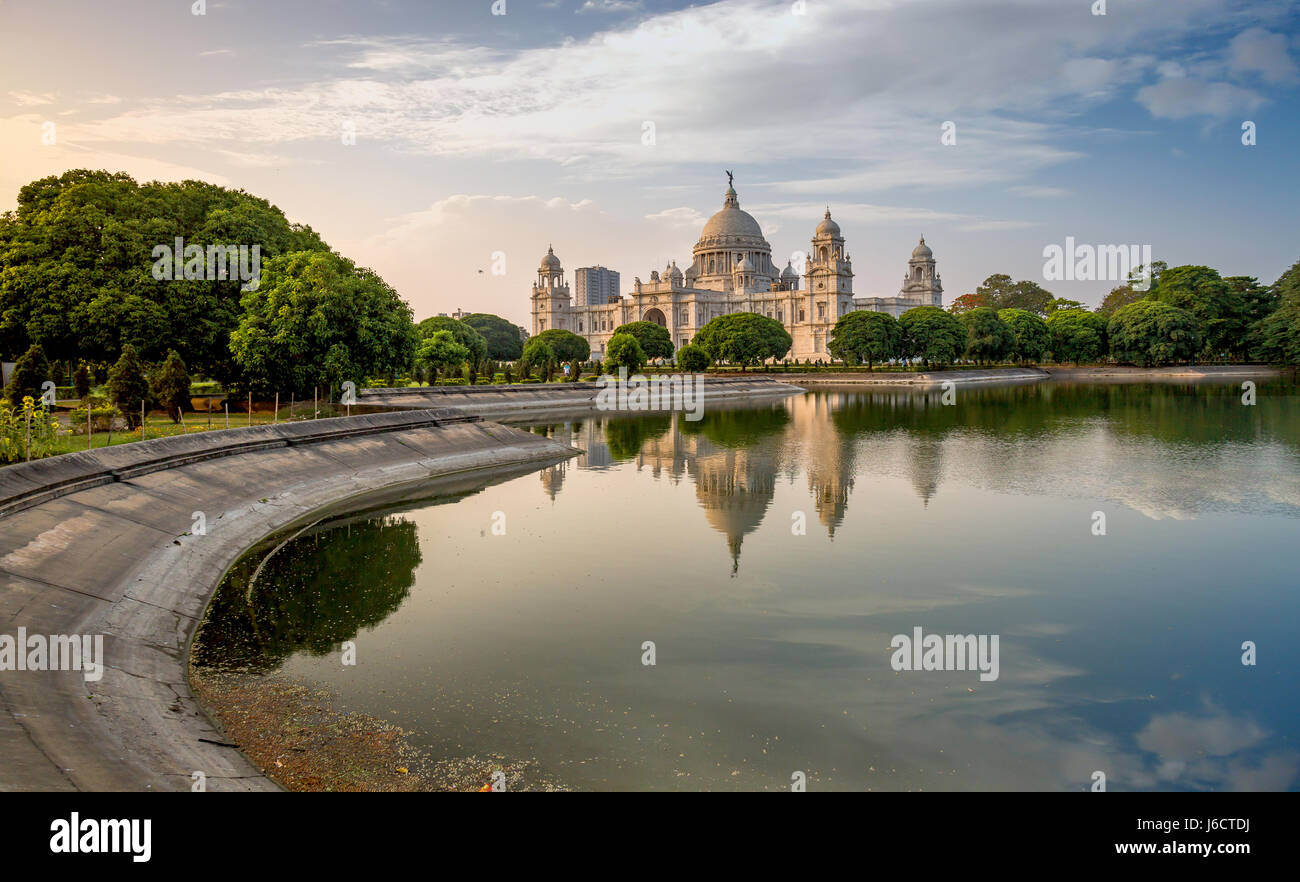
(1257, 51)
(1179, 98)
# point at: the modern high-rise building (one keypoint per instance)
(595, 286)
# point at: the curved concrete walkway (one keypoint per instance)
(522, 400)
(100, 543)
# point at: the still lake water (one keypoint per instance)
(1119, 653)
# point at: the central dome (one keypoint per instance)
(731, 222)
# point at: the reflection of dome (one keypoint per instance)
(828, 227)
(550, 261)
(735, 487)
(922, 250)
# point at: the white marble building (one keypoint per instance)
(732, 271)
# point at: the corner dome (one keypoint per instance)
(828, 227)
(550, 261)
(922, 250)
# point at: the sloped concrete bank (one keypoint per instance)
(502, 402)
(104, 543)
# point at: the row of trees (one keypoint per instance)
(1232, 318)
(77, 279)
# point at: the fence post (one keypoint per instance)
(88, 430)
(275, 418)
(250, 408)
(141, 419)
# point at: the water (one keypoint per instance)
(1119, 653)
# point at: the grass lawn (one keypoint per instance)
(159, 425)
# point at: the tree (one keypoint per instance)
(1153, 332)
(171, 386)
(30, 373)
(692, 358)
(743, 338)
(624, 351)
(128, 388)
(77, 261)
(988, 339)
(1119, 297)
(1030, 337)
(1059, 303)
(319, 320)
(440, 352)
(537, 355)
(475, 346)
(863, 336)
(81, 381)
(655, 340)
(1218, 308)
(1277, 335)
(1077, 335)
(967, 302)
(504, 340)
(1000, 292)
(931, 335)
(566, 345)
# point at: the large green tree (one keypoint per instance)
(537, 356)
(744, 338)
(1218, 307)
(1152, 333)
(1030, 337)
(505, 341)
(931, 335)
(1277, 335)
(1077, 335)
(318, 320)
(440, 352)
(655, 340)
(1000, 292)
(464, 334)
(988, 339)
(624, 351)
(77, 260)
(566, 345)
(865, 336)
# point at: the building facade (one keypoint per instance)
(731, 270)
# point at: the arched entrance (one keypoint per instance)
(656, 316)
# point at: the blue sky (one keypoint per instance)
(479, 133)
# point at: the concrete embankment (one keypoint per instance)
(507, 402)
(1105, 373)
(105, 543)
(900, 378)
(1180, 373)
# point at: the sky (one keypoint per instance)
(437, 142)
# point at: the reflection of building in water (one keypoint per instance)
(925, 463)
(553, 478)
(829, 459)
(735, 457)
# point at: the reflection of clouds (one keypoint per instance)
(1197, 751)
